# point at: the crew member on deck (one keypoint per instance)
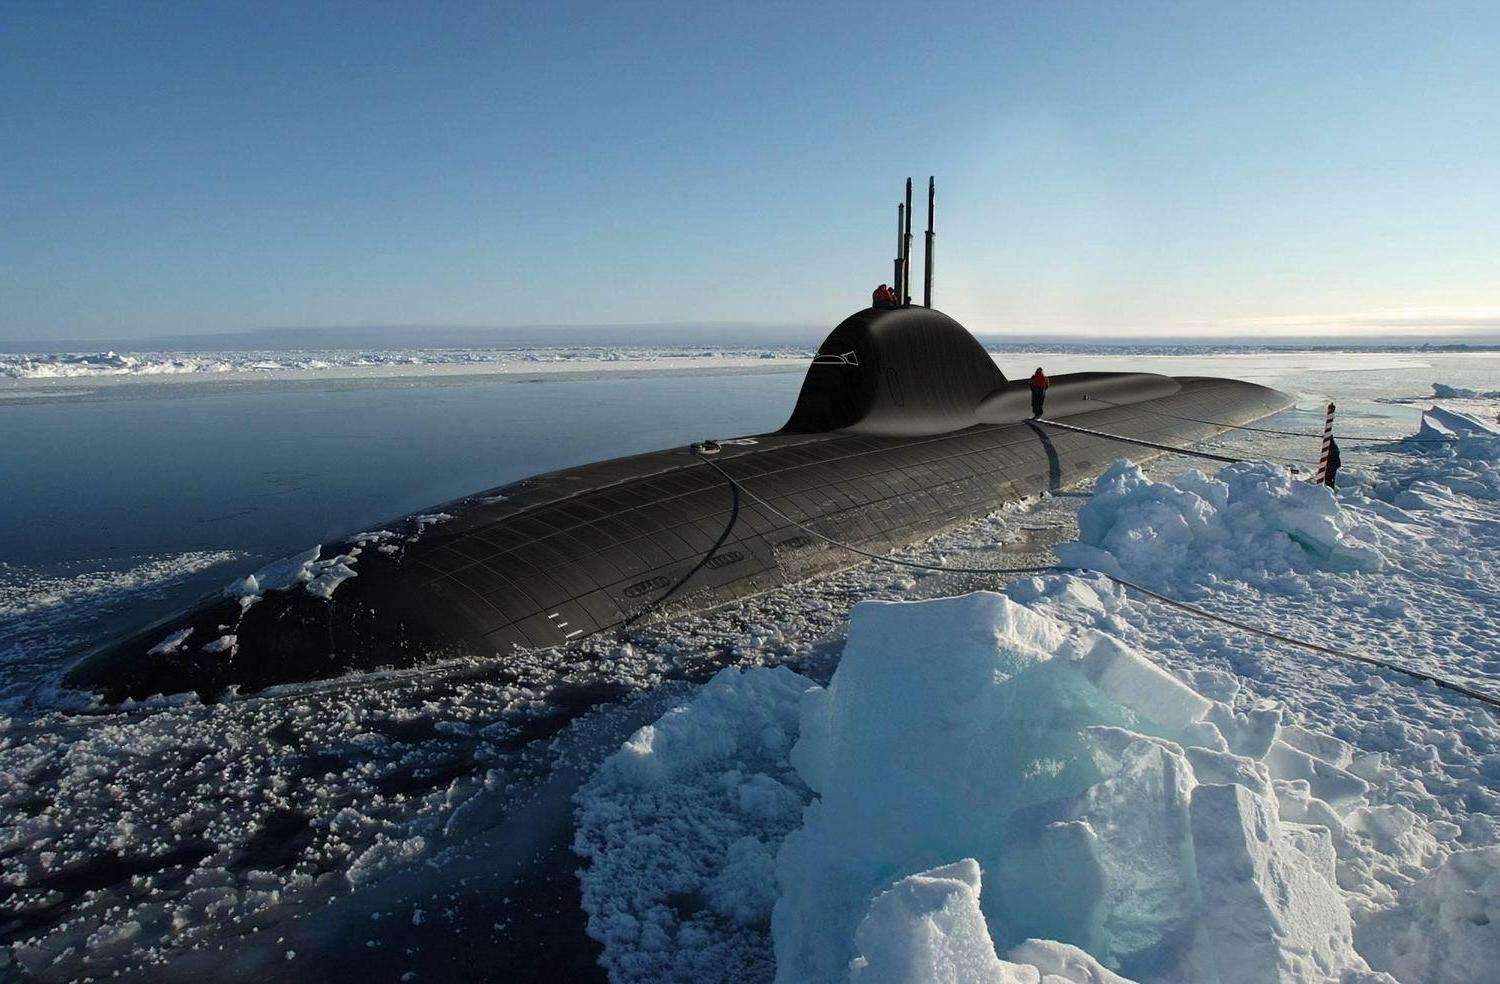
(1039, 384)
(1332, 470)
(884, 297)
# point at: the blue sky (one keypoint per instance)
(1195, 168)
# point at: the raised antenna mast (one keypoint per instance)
(931, 236)
(905, 293)
(900, 228)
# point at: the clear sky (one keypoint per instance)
(1200, 168)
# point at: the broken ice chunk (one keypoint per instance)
(1272, 912)
(1329, 783)
(928, 927)
(171, 643)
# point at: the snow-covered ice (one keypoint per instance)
(1066, 764)
(1253, 523)
(1445, 927)
(691, 806)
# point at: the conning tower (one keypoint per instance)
(902, 372)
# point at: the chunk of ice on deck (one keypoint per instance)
(321, 577)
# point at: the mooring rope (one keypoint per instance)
(1271, 430)
(1292, 640)
(734, 515)
(1187, 452)
(1128, 585)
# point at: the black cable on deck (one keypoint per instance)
(1146, 444)
(734, 515)
(1270, 430)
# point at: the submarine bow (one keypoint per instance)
(904, 427)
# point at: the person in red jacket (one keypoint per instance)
(1039, 384)
(884, 297)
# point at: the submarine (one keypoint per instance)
(904, 427)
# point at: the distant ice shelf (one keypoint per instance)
(72, 365)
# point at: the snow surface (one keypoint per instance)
(1445, 927)
(693, 806)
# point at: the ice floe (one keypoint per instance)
(1253, 522)
(1077, 791)
(172, 643)
(321, 576)
(929, 927)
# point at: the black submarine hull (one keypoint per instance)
(904, 428)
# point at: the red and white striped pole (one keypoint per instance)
(1322, 476)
